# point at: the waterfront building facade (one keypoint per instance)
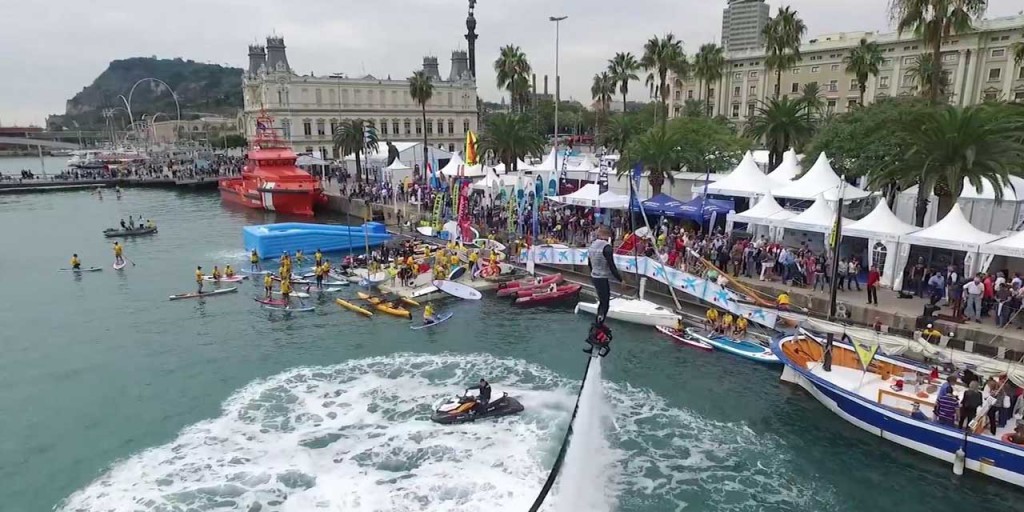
(307, 110)
(743, 23)
(978, 66)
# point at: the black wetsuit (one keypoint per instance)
(601, 260)
(485, 394)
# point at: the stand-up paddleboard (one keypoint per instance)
(90, 269)
(254, 272)
(232, 279)
(456, 273)
(683, 338)
(330, 289)
(457, 289)
(119, 266)
(440, 318)
(306, 309)
(270, 302)
(298, 295)
(194, 295)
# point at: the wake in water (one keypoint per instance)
(356, 437)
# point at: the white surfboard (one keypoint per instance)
(457, 289)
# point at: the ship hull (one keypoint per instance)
(270, 197)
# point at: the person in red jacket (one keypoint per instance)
(873, 278)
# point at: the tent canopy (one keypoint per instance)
(746, 180)
(1012, 246)
(397, 165)
(590, 196)
(788, 170)
(307, 160)
(767, 211)
(697, 209)
(819, 180)
(494, 182)
(952, 232)
(522, 166)
(820, 217)
(880, 224)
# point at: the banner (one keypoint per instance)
(438, 210)
(463, 211)
(602, 177)
(864, 352)
(471, 157)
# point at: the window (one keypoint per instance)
(990, 96)
(735, 110)
(815, 69)
(383, 98)
(795, 88)
(750, 110)
(451, 148)
(689, 94)
(419, 127)
(394, 98)
(307, 128)
(752, 90)
(1020, 73)
(737, 76)
(833, 85)
(319, 97)
(383, 126)
(878, 254)
(907, 81)
(1004, 38)
(450, 102)
(286, 129)
(440, 126)
(331, 97)
(850, 104)
(676, 95)
(1018, 96)
(320, 127)
(736, 91)
(835, 67)
(359, 96)
(998, 52)
(465, 126)
(752, 74)
(883, 82)
(344, 97)
(949, 57)
(430, 126)
(908, 60)
(796, 71)
(394, 127)
(451, 126)
(408, 127)
(830, 107)
(994, 74)
(711, 93)
(334, 127)
(854, 85)
(309, 149)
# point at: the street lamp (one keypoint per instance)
(558, 82)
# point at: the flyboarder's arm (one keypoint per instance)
(609, 256)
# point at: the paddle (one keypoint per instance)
(128, 260)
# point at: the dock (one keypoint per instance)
(44, 185)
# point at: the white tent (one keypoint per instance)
(519, 162)
(452, 167)
(493, 182)
(788, 170)
(883, 230)
(468, 171)
(1012, 246)
(763, 217)
(819, 218)
(398, 171)
(953, 232)
(746, 180)
(819, 180)
(308, 160)
(549, 163)
(590, 196)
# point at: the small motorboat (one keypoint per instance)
(540, 297)
(464, 409)
(634, 310)
(513, 287)
(111, 233)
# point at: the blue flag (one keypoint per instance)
(638, 173)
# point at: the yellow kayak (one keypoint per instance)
(376, 300)
(383, 306)
(352, 307)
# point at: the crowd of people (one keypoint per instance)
(159, 167)
(985, 295)
(1001, 395)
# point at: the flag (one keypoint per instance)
(261, 126)
(564, 175)
(638, 173)
(602, 177)
(865, 353)
(471, 157)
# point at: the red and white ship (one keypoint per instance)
(270, 180)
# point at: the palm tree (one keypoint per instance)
(619, 132)
(707, 68)
(602, 90)
(659, 150)
(422, 89)
(1018, 53)
(933, 21)
(864, 60)
(947, 145)
(511, 137)
(782, 37)
(810, 95)
(782, 124)
(354, 137)
(694, 108)
(662, 55)
(927, 74)
(513, 71)
(623, 68)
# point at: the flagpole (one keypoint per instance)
(835, 237)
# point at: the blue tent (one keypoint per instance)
(667, 206)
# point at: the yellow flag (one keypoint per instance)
(865, 353)
(471, 157)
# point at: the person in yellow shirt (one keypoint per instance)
(453, 260)
(150, 224)
(428, 314)
(931, 334)
(75, 263)
(741, 326)
(474, 259)
(782, 302)
(216, 273)
(286, 290)
(319, 272)
(199, 279)
(318, 257)
(726, 326)
(326, 264)
(254, 261)
(228, 271)
(299, 257)
(268, 286)
(680, 326)
(711, 319)
(118, 254)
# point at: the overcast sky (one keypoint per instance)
(53, 48)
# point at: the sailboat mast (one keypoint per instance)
(834, 238)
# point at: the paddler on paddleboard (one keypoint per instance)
(118, 253)
(299, 257)
(268, 286)
(318, 258)
(254, 261)
(216, 273)
(286, 266)
(76, 264)
(601, 260)
(428, 314)
(319, 272)
(286, 290)
(199, 279)
(228, 271)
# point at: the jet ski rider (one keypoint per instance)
(484, 397)
(601, 260)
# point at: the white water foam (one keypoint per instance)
(356, 437)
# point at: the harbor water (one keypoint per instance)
(115, 398)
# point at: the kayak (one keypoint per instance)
(440, 318)
(569, 291)
(744, 348)
(232, 279)
(109, 233)
(682, 337)
(352, 307)
(120, 266)
(291, 309)
(270, 302)
(512, 287)
(194, 295)
(385, 307)
(376, 300)
(89, 269)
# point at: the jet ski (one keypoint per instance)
(464, 409)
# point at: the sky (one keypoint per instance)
(54, 48)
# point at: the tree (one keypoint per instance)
(933, 21)
(948, 145)
(707, 67)
(863, 61)
(782, 124)
(513, 71)
(926, 73)
(354, 137)
(422, 89)
(623, 68)
(602, 90)
(1018, 53)
(662, 55)
(620, 132)
(782, 37)
(511, 137)
(659, 151)
(694, 108)
(810, 94)
(708, 145)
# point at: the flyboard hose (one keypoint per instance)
(557, 466)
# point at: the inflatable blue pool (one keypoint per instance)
(270, 240)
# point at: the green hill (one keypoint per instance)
(200, 89)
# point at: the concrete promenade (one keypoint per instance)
(45, 185)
